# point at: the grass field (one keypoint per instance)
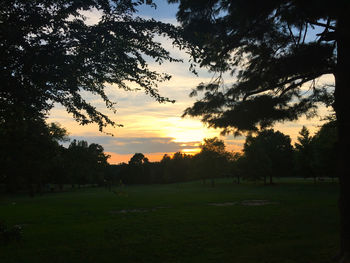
(187, 222)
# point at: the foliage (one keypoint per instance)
(178, 168)
(269, 154)
(315, 156)
(45, 163)
(304, 154)
(85, 163)
(265, 156)
(138, 169)
(31, 157)
(269, 50)
(212, 161)
(138, 159)
(28, 150)
(325, 151)
(237, 166)
(51, 54)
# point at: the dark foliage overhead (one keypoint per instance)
(49, 54)
(272, 50)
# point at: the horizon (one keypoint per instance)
(156, 129)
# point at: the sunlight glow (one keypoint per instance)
(186, 130)
(191, 151)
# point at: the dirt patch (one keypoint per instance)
(257, 202)
(245, 203)
(224, 204)
(125, 211)
(137, 210)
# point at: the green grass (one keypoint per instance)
(85, 226)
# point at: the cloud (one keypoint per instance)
(131, 145)
(92, 17)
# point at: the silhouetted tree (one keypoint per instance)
(176, 168)
(236, 166)
(97, 162)
(78, 163)
(50, 54)
(138, 171)
(181, 166)
(86, 164)
(273, 48)
(166, 171)
(324, 150)
(304, 155)
(28, 149)
(212, 161)
(269, 154)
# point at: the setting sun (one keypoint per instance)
(190, 151)
(186, 130)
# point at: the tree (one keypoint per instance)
(324, 150)
(181, 166)
(28, 149)
(98, 162)
(176, 168)
(213, 159)
(274, 49)
(137, 167)
(269, 154)
(165, 163)
(77, 160)
(86, 164)
(236, 168)
(304, 154)
(49, 54)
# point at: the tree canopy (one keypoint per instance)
(49, 54)
(272, 52)
(29, 151)
(269, 154)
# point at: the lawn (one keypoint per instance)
(186, 222)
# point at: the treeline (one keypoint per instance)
(33, 160)
(268, 154)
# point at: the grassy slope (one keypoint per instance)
(83, 226)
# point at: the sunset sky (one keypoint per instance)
(152, 128)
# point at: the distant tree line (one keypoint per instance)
(33, 160)
(266, 155)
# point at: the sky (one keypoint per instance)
(152, 128)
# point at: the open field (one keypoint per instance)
(188, 222)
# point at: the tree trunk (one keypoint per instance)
(341, 106)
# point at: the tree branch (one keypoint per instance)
(304, 79)
(292, 35)
(306, 27)
(321, 24)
